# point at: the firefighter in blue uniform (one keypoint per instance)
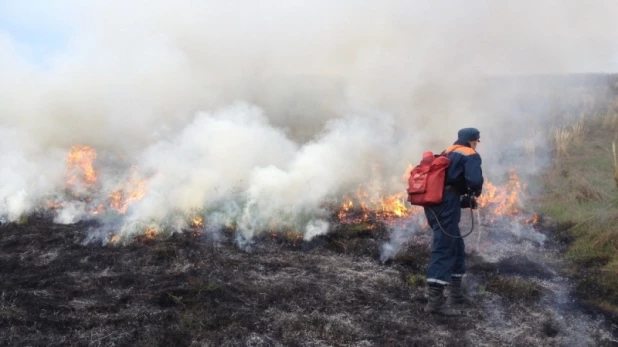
(464, 179)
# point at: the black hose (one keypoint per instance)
(454, 236)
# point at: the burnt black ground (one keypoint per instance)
(188, 290)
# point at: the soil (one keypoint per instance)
(202, 289)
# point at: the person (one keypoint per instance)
(464, 179)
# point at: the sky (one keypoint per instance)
(36, 28)
(40, 29)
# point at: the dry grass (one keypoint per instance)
(596, 236)
(530, 150)
(610, 120)
(580, 191)
(529, 147)
(562, 138)
(578, 131)
(530, 143)
(615, 162)
(585, 191)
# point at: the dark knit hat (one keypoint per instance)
(468, 134)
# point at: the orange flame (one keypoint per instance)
(53, 205)
(80, 160)
(197, 221)
(151, 233)
(506, 200)
(499, 201)
(360, 208)
(121, 199)
(393, 206)
(533, 220)
(346, 207)
(97, 210)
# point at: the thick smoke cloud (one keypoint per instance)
(270, 110)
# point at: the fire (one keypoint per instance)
(393, 206)
(346, 207)
(364, 205)
(361, 207)
(80, 165)
(121, 199)
(291, 235)
(97, 210)
(533, 220)
(197, 221)
(53, 205)
(151, 233)
(506, 200)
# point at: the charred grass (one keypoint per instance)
(515, 288)
(188, 290)
(514, 279)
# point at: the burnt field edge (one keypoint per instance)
(178, 290)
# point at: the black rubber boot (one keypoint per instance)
(456, 296)
(437, 302)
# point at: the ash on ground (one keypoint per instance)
(337, 289)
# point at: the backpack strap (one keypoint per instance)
(460, 149)
(449, 150)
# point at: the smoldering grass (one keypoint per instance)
(516, 288)
(525, 232)
(399, 235)
(154, 228)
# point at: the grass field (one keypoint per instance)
(580, 194)
(539, 283)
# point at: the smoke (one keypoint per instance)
(257, 113)
(400, 234)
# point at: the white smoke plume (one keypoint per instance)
(259, 114)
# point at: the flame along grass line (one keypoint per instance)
(496, 201)
(357, 208)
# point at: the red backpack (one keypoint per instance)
(426, 182)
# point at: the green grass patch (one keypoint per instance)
(416, 280)
(580, 191)
(596, 237)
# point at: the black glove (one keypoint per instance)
(468, 201)
(474, 192)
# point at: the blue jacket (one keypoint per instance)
(465, 171)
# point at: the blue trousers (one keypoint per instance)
(448, 257)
